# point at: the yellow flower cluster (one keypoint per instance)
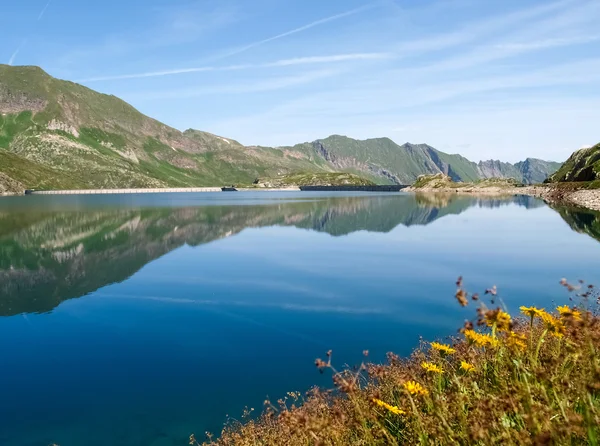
(567, 312)
(532, 311)
(517, 341)
(553, 325)
(480, 339)
(393, 409)
(499, 318)
(442, 348)
(434, 368)
(467, 367)
(414, 388)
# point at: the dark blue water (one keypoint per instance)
(140, 320)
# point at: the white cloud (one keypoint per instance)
(14, 55)
(11, 61)
(263, 85)
(330, 59)
(336, 58)
(547, 43)
(299, 30)
(481, 28)
(41, 14)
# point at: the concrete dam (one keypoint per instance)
(386, 188)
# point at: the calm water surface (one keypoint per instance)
(137, 320)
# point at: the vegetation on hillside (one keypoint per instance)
(314, 179)
(582, 166)
(99, 141)
(503, 380)
(441, 181)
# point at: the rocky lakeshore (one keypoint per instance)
(563, 193)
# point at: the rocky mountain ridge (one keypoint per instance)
(56, 134)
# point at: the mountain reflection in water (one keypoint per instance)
(55, 251)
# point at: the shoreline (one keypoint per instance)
(583, 198)
(338, 188)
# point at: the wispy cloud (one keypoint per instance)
(41, 15)
(170, 26)
(267, 84)
(547, 43)
(14, 55)
(336, 58)
(330, 59)
(479, 29)
(299, 29)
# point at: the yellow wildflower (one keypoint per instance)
(498, 318)
(414, 388)
(432, 367)
(393, 409)
(553, 325)
(567, 312)
(532, 311)
(467, 367)
(517, 341)
(443, 348)
(480, 339)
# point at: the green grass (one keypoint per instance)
(316, 179)
(582, 166)
(99, 138)
(526, 380)
(12, 125)
(33, 175)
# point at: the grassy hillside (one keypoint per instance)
(62, 128)
(72, 136)
(384, 158)
(314, 179)
(521, 379)
(583, 165)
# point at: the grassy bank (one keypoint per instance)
(534, 379)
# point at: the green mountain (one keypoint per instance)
(383, 158)
(583, 165)
(58, 134)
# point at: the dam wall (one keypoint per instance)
(124, 191)
(387, 188)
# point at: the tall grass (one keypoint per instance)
(530, 380)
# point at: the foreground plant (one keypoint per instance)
(530, 381)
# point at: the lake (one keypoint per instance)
(138, 320)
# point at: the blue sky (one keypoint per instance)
(488, 79)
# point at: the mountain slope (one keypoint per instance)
(530, 171)
(583, 165)
(58, 134)
(100, 141)
(382, 157)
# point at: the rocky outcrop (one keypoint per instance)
(8, 186)
(583, 165)
(58, 125)
(18, 102)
